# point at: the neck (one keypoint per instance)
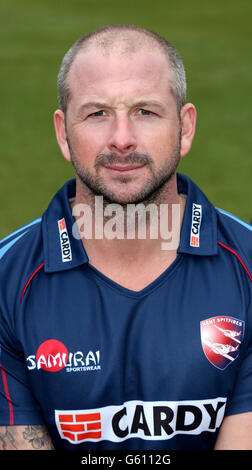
(130, 231)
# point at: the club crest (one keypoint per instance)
(221, 338)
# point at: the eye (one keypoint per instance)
(100, 113)
(145, 112)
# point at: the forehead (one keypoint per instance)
(95, 72)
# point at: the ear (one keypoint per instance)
(188, 125)
(60, 130)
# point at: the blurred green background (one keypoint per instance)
(214, 39)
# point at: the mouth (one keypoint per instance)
(123, 169)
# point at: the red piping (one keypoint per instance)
(238, 257)
(29, 280)
(7, 394)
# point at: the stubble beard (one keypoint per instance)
(154, 190)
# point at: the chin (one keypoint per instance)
(125, 197)
(122, 200)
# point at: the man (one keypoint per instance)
(113, 342)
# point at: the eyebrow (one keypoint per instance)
(146, 104)
(138, 104)
(91, 104)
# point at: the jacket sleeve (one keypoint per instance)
(17, 404)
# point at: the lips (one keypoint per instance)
(123, 168)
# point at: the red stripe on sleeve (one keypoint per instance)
(7, 394)
(238, 257)
(29, 280)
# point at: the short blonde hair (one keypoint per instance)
(105, 37)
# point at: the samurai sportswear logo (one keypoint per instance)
(221, 338)
(158, 420)
(53, 356)
(66, 253)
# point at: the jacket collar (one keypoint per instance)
(199, 228)
(63, 251)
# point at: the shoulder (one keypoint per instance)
(20, 239)
(20, 253)
(235, 222)
(236, 229)
(235, 235)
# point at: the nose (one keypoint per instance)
(122, 138)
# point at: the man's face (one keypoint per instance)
(122, 125)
